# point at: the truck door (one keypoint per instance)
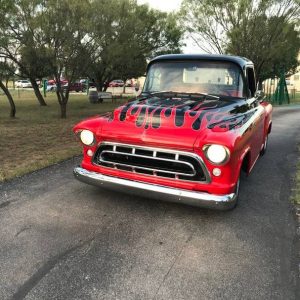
(257, 127)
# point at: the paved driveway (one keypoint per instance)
(61, 239)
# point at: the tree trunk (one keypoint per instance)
(63, 110)
(10, 100)
(105, 86)
(37, 92)
(98, 86)
(62, 98)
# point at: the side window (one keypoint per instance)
(251, 81)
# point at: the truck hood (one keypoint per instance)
(170, 122)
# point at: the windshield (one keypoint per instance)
(217, 78)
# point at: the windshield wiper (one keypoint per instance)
(156, 93)
(178, 94)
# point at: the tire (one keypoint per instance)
(264, 149)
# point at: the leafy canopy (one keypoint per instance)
(264, 31)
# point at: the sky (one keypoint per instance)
(168, 6)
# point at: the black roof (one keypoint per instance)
(241, 61)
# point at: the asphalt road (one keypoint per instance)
(61, 239)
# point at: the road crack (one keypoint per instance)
(173, 264)
(34, 279)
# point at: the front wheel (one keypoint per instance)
(265, 146)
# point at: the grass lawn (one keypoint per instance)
(296, 99)
(37, 137)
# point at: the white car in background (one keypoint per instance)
(51, 88)
(23, 84)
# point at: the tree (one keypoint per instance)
(35, 63)
(5, 71)
(263, 31)
(67, 39)
(272, 42)
(61, 32)
(18, 37)
(126, 35)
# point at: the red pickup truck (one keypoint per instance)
(198, 123)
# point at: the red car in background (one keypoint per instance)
(53, 82)
(198, 123)
(75, 87)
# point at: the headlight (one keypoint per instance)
(87, 137)
(216, 154)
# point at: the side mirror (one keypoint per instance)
(260, 95)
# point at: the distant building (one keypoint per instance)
(294, 80)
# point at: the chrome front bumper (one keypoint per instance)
(200, 199)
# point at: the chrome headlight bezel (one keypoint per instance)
(209, 156)
(87, 137)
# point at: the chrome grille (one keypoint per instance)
(151, 161)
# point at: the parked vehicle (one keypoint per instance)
(75, 87)
(51, 87)
(116, 83)
(23, 84)
(129, 83)
(85, 81)
(198, 123)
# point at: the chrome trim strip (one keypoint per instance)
(254, 163)
(150, 148)
(156, 149)
(148, 157)
(245, 126)
(200, 199)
